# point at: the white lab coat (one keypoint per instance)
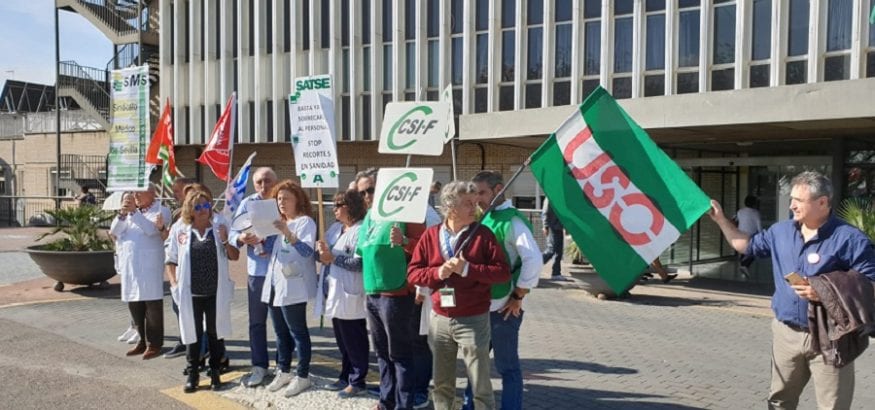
(178, 246)
(291, 275)
(346, 298)
(140, 254)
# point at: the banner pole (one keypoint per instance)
(321, 214)
(493, 204)
(453, 156)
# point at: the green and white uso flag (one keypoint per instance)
(622, 199)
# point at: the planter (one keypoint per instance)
(75, 268)
(590, 281)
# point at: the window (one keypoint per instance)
(654, 52)
(837, 59)
(723, 57)
(456, 71)
(797, 43)
(562, 54)
(387, 53)
(367, 92)
(592, 45)
(688, 47)
(481, 60)
(761, 48)
(621, 83)
(345, 106)
(870, 56)
(534, 55)
(432, 12)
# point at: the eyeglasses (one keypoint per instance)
(369, 191)
(201, 207)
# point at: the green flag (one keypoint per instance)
(621, 198)
(872, 16)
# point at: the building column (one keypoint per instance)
(576, 54)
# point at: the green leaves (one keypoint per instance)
(81, 229)
(859, 213)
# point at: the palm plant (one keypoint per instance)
(80, 226)
(860, 213)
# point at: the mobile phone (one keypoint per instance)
(796, 279)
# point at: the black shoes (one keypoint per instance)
(215, 381)
(192, 382)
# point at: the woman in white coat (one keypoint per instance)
(289, 284)
(346, 300)
(197, 263)
(139, 256)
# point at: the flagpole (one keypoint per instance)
(493, 204)
(231, 138)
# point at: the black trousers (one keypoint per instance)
(204, 307)
(148, 317)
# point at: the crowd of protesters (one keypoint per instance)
(413, 292)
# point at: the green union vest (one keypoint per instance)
(384, 267)
(499, 222)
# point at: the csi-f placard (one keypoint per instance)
(414, 128)
(401, 194)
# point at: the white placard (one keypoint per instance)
(447, 97)
(414, 128)
(311, 114)
(129, 132)
(402, 194)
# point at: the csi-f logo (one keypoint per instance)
(133, 80)
(396, 192)
(412, 123)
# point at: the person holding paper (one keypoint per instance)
(385, 248)
(289, 284)
(138, 229)
(197, 263)
(263, 179)
(460, 302)
(345, 303)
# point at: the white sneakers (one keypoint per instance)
(297, 385)
(256, 377)
(128, 334)
(279, 381)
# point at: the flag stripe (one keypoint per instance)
(584, 221)
(643, 161)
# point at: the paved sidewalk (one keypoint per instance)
(681, 345)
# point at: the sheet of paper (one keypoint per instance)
(264, 213)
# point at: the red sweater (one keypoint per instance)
(487, 265)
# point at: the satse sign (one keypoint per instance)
(311, 114)
(414, 128)
(401, 194)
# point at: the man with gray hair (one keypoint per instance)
(814, 242)
(263, 179)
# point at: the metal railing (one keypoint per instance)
(92, 83)
(121, 16)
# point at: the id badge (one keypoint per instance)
(448, 297)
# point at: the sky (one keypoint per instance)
(27, 41)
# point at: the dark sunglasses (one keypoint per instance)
(369, 191)
(339, 205)
(200, 207)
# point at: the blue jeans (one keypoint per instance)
(505, 345)
(391, 320)
(555, 246)
(290, 324)
(257, 322)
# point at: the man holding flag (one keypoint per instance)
(514, 233)
(812, 243)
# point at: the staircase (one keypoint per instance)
(118, 20)
(84, 170)
(132, 26)
(88, 86)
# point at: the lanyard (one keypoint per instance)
(447, 243)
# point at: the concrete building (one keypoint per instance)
(743, 94)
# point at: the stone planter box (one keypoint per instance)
(75, 268)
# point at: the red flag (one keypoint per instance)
(217, 154)
(161, 147)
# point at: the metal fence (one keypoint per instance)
(29, 210)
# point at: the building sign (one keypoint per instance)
(415, 128)
(129, 132)
(402, 194)
(311, 114)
